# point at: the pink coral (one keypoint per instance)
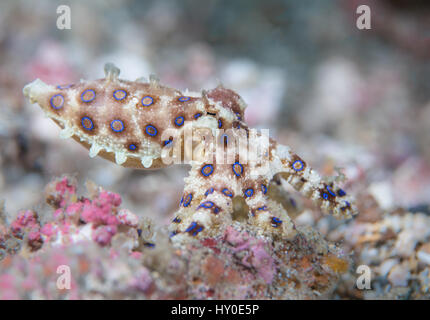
(76, 218)
(98, 214)
(108, 258)
(256, 255)
(25, 220)
(103, 234)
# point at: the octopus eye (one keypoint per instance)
(147, 101)
(88, 95)
(207, 170)
(179, 121)
(249, 192)
(57, 101)
(117, 125)
(237, 169)
(183, 99)
(119, 94)
(87, 123)
(298, 165)
(151, 130)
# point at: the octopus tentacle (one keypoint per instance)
(207, 202)
(330, 197)
(267, 214)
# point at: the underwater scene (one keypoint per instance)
(215, 150)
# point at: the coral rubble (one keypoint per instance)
(113, 254)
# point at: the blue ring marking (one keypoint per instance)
(187, 200)
(204, 169)
(148, 104)
(330, 191)
(173, 233)
(183, 99)
(149, 245)
(263, 188)
(166, 142)
(206, 204)
(66, 86)
(325, 196)
(216, 210)
(83, 123)
(276, 222)
(249, 192)
(176, 220)
(225, 136)
(148, 132)
(301, 165)
(234, 170)
(91, 99)
(191, 226)
(197, 115)
(197, 231)
(263, 208)
(238, 116)
(219, 123)
(341, 193)
(112, 124)
(132, 147)
(347, 205)
(182, 200)
(179, 121)
(139, 232)
(209, 191)
(227, 192)
(52, 101)
(120, 90)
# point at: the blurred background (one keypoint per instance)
(339, 96)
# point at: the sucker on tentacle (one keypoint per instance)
(147, 125)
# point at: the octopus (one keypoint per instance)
(235, 170)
